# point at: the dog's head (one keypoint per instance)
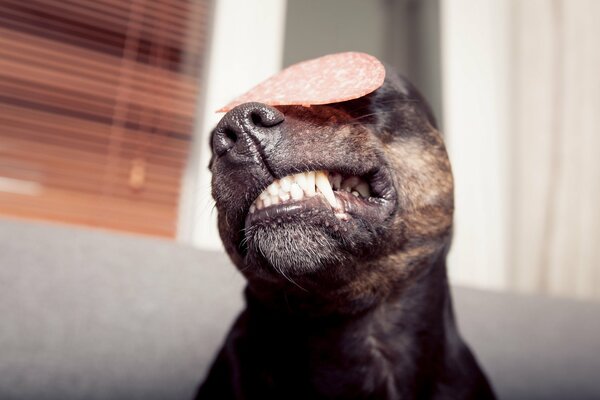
(344, 199)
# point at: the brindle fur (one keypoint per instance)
(341, 310)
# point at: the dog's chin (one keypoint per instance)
(293, 249)
(311, 243)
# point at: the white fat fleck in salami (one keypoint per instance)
(324, 80)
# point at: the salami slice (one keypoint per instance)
(324, 80)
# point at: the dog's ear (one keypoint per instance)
(210, 146)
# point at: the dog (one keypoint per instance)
(347, 296)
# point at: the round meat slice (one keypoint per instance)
(324, 80)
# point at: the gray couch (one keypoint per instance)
(95, 315)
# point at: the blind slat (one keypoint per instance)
(97, 109)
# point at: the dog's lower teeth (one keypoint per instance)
(341, 216)
(284, 196)
(308, 184)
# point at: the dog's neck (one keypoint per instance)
(397, 343)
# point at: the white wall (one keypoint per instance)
(318, 27)
(475, 74)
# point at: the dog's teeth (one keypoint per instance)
(285, 183)
(273, 188)
(310, 184)
(267, 201)
(350, 183)
(324, 187)
(363, 189)
(283, 195)
(342, 216)
(307, 184)
(336, 181)
(300, 180)
(296, 192)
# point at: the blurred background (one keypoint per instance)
(106, 106)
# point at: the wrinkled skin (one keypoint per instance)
(341, 309)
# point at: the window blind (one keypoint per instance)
(97, 108)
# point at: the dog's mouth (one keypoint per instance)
(328, 197)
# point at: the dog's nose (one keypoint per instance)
(246, 125)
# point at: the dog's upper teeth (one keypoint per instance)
(267, 201)
(285, 183)
(273, 189)
(336, 181)
(363, 189)
(300, 180)
(309, 184)
(296, 192)
(350, 183)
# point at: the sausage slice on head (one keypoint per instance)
(329, 79)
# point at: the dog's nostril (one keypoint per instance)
(224, 140)
(256, 119)
(231, 135)
(261, 115)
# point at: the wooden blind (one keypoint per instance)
(97, 107)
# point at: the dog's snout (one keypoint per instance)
(248, 121)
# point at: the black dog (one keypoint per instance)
(347, 294)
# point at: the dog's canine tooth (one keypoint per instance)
(355, 193)
(296, 192)
(336, 181)
(259, 204)
(324, 187)
(363, 189)
(310, 184)
(252, 208)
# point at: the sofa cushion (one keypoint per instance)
(97, 315)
